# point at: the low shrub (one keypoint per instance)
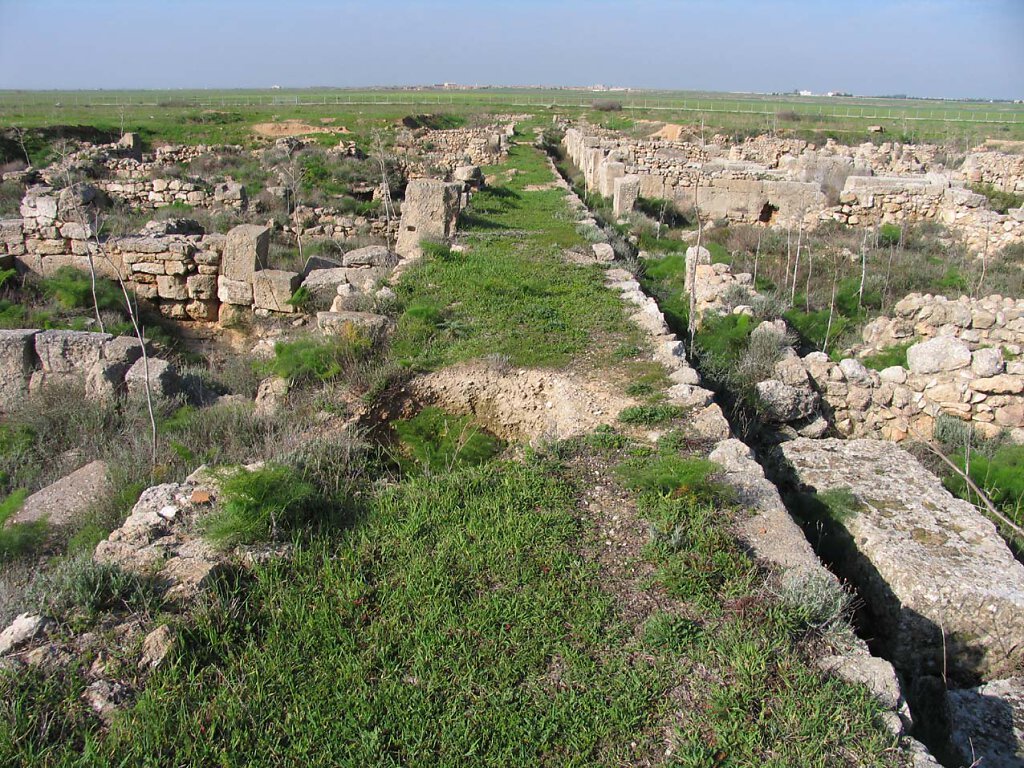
(890, 235)
(79, 587)
(261, 504)
(435, 441)
(607, 105)
(998, 200)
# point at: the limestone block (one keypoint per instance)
(202, 287)
(17, 360)
(923, 560)
(245, 248)
(272, 288)
(429, 212)
(234, 291)
(171, 287)
(370, 256)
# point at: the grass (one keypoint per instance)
(888, 357)
(510, 293)
(650, 414)
(18, 539)
(457, 618)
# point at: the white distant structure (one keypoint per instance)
(275, 87)
(804, 93)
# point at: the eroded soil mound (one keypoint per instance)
(294, 128)
(522, 404)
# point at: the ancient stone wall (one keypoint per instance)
(1003, 171)
(790, 182)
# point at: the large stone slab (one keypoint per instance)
(66, 500)
(935, 575)
(69, 352)
(245, 249)
(346, 323)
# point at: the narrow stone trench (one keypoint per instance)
(919, 675)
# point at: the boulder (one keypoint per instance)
(156, 647)
(987, 362)
(603, 252)
(782, 402)
(231, 193)
(272, 288)
(323, 284)
(941, 587)
(68, 499)
(943, 353)
(245, 249)
(162, 378)
(469, 174)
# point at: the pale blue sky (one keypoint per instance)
(952, 48)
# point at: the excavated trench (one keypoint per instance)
(924, 689)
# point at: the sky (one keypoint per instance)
(931, 48)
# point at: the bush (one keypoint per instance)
(258, 505)
(435, 441)
(72, 289)
(309, 360)
(78, 585)
(606, 105)
(998, 200)
(890, 235)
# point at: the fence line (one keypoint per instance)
(763, 109)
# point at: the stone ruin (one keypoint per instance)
(962, 363)
(791, 183)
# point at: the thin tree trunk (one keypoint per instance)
(757, 254)
(796, 264)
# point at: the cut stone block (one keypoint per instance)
(66, 500)
(245, 249)
(272, 288)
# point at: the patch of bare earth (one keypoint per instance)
(522, 404)
(278, 130)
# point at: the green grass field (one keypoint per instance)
(204, 116)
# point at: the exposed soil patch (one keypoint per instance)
(518, 404)
(294, 128)
(669, 131)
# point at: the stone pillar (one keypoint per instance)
(430, 211)
(626, 191)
